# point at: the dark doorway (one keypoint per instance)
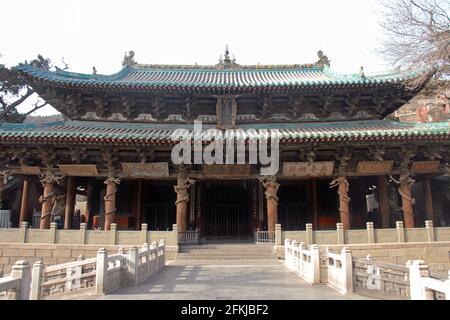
(227, 213)
(293, 210)
(159, 206)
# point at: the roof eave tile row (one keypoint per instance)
(182, 80)
(286, 138)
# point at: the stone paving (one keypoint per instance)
(224, 280)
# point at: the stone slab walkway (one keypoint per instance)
(240, 280)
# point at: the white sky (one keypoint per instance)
(88, 33)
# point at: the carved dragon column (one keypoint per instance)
(48, 198)
(110, 200)
(182, 190)
(271, 185)
(344, 200)
(344, 157)
(405, 184)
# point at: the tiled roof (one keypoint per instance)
(87, 132)
(207, 79)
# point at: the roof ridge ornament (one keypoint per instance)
(323, 60)
(361, 72)
(226, 62)
(128, 60)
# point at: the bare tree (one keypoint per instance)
(14, 91)
(418, 36)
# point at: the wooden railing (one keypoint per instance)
(264, 236)
(189, 237)
(100, 275)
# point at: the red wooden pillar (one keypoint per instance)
(428, 199)
(315, 208)
(2, 186)
(110, 201)
(138, 205)
(383, 202)
(70, 202)
(89, 199)
(24, 208)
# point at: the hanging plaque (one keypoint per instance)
(425, 166)
(30, 170)
(227, 170)
(307, 169)
(374, 167)
(146, 170)
(80, 170)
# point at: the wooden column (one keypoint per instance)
(70, 202)
(138, 205)
(271, 186)
(404, 189)
(2, 187)
(383, 202)
(344, 200)
(89, 197)
(24, 205)
(198, 207)
(182, 190)
(315, 208)
(47, 199)
(428, 199)
(110, 201)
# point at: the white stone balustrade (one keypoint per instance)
(304, 262)
(16, 286)
(100, 275)
(423, 286)
(340, 270)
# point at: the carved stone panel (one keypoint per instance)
(374, 167)
(307, 169)
(145, 170)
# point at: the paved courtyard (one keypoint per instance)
(223, 280)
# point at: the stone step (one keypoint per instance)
(240, 257)
(223, 252)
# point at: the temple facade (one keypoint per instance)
(339, 160)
